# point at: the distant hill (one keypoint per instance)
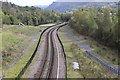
(13, 14)
(66, 7)
(41, 6)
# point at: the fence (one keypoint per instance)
(114, 70)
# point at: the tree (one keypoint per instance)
(28, 15)
(65, 17)
(99, 24)
(13, 19)
(6, 19)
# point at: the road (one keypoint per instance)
(51, 60)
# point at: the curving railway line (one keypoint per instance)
(53, 59)
(52, 62)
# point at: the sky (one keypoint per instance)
(48, 2)
(31, 2)
(88, 0)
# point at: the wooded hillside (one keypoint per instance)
(68, 7)
(100, 23)
(13, 14)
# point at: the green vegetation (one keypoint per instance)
(89, 68)
(13, 14)
(26, 30)
(15, 70)
(12, 45)
(25, 75)
(14, 38)
(103, 52)
(65, 17)
(98, 23)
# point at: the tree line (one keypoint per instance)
(103, 24)
(100, 23)
(13, 14)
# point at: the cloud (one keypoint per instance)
(87, 0)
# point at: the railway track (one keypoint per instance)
(48, 59)
(53, 59)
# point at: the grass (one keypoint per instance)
(25, 75)
(14, 38)
(103, 52)
(12, 45)
(47, 25)
(13, 72)
(89, 68)
(26, 30)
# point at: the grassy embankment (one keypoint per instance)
(89, 68)
(14, 38)
(107, 54)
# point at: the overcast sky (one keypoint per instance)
(48, 2)
(31, 2)
(88, 0)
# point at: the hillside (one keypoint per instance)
(41, 6)
(14, 14)
(66, 7)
